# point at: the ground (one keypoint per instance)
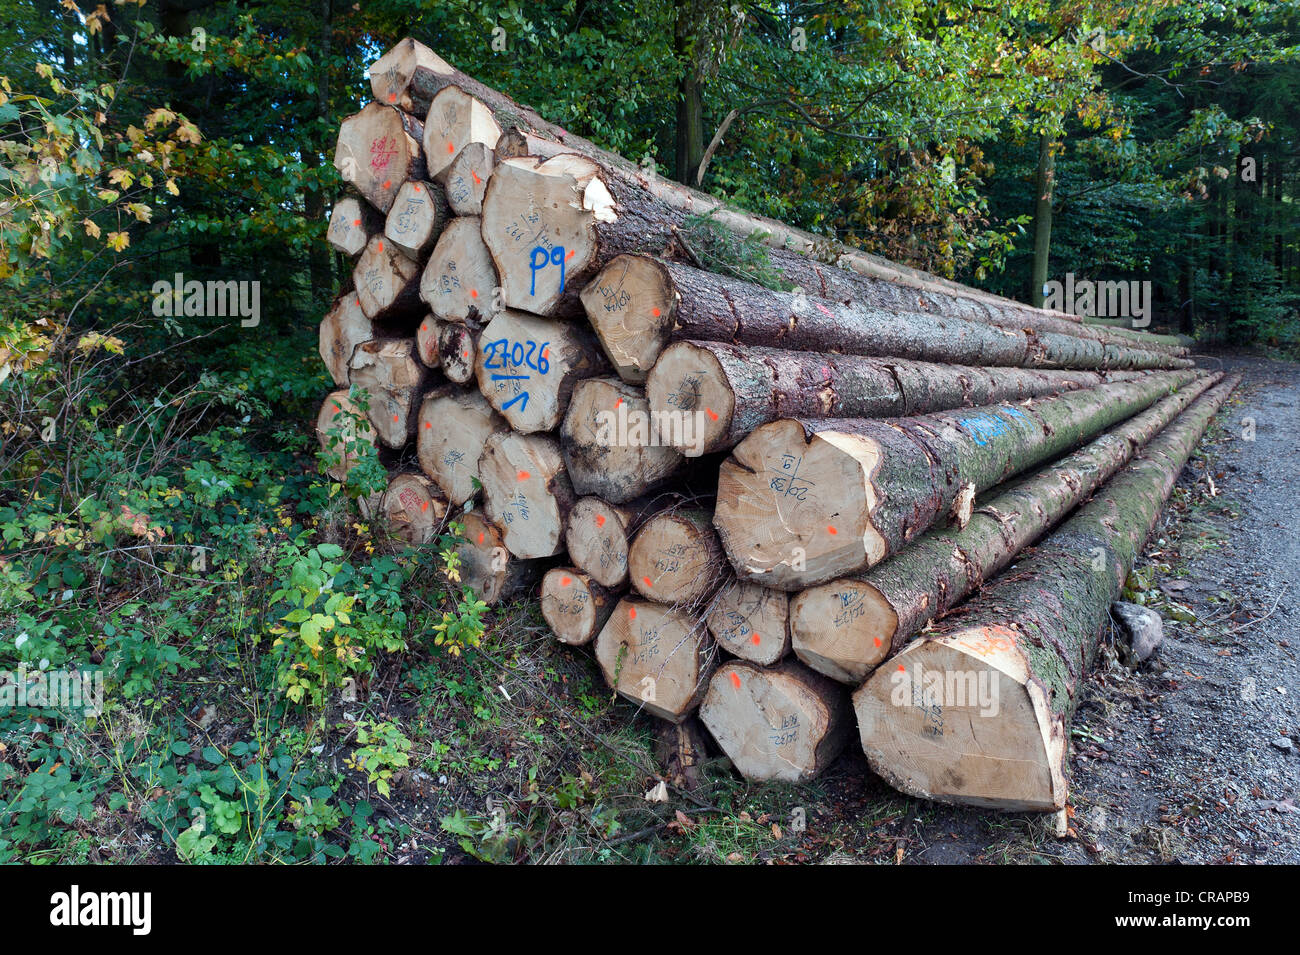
(1191, 758)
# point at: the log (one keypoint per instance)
(411, 75)
(598, 535)
(426, 342)
(487, 567)
(613, 447)
(387, 281)
(978, 712)
(341, 412)
(352, 223)
(458, 352)
(803, 501)
(574, 605)
(455, 120)
(527, 367)
(414, 508)
(459, 279)
(776, 724)
(418, 216)
(711, 307)
(729, 390)
(751, 621)
(455, 424)
(676, 559)
(526, 492)
(467, 179)
(657, 657)
(341, 331)
(377, 150)
(390, 370)
(848, 627)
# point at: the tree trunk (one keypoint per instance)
(459, 279)
(574, 605)
(778, 724)
(378, 149)
(657, 657)
(419, 213)
(801, 502)
(527, 367)
(610, 446)
(727, 391)
(996, 736)
(1044, 185)
(414, 509)
(751, 621)
(848, 627)
(526, 492)
(455, 423)
(487, 567)
(352, 224)
(390, 370)
(598, 534)
(676, 558)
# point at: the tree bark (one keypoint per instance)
(804, 501)
(1044, 185)
(997, 737)
(848, 627)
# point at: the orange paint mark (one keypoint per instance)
(451, 148)
(877, 641)
(631, 613)
(735, 680)
(901, 668)
(570, 255)
(424, 505)
(473, 293)
(713, 415)
(356, 222)
(754, 639)
(646, 581)
(417, 188)
(600, 518)
(546, 353)
(394, 417)
(381, 245)
(619, 402)
(424, 328)
(387, 183)
(337, 407)
(480, 537)
(524, 475)
(464, 354)
(428, 424)
(830, 530)
(565, 581)
(477, 180)
(654, 312)
(358, 299)
(392, 97)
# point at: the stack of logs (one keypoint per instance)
(746, 491)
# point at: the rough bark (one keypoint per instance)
(458, 352)
(657, 657)
(776, 724)
(378, 149)
(574, 605)
(352, 223)
(417, 217)
(526, 492)
(527, 367)
(996, 735)
(751, 621)
(612, 446)
(848, 627)
(676, 559)
(395, 378)
(455, 424)
(459, 279)
(728, 390)
(803, 501)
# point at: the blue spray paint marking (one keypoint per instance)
(982, 428)
(502, 354)
(553, 256)
(523, 396)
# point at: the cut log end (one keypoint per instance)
(459, 279)
(751, 622)
(675, 558)
(455, 120)
(426, 341)
(386, 280)
(631, 303)
(340, 425)
(457, 352)
(688, 382)
(390, 75)
(597, 540)
(958, 720)
(486, 565)
(656, 657)
(526, 492)
(341, 331)
(417, 218)
(352, 223)
(395, 379)
(842, 629)
(468, 177)
(415, 510)
(454, 426)
(783, 724)
(378, 149)
(795, 511)
(574, 605)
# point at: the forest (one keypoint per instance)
(274, 681)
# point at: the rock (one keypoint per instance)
(1283, 743)
(1143, 630)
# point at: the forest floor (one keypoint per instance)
(1193, 758)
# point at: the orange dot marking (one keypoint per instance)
(480, 537)
(901, 669)
(735, 680)
(473, 293)
(387, 183)
(600, 518)
(654, 312)
(570, 255)
(356, 222)
(394, 417)
(451, 148)
(428, 424)
(424, 505)
(477, 180)
(646, 580)
(392, 97)
(713, 415)
(524, 475)
(337, 407)
(831, 530)
(877, 640)
(565, 581)
(619, 402)
(631, 613)
(464, 354)
(358, 299)
(546, 353)
(753, 638)
(381, 245)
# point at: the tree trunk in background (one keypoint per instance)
(315, 200)
(1044, 184)
(690, 101)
